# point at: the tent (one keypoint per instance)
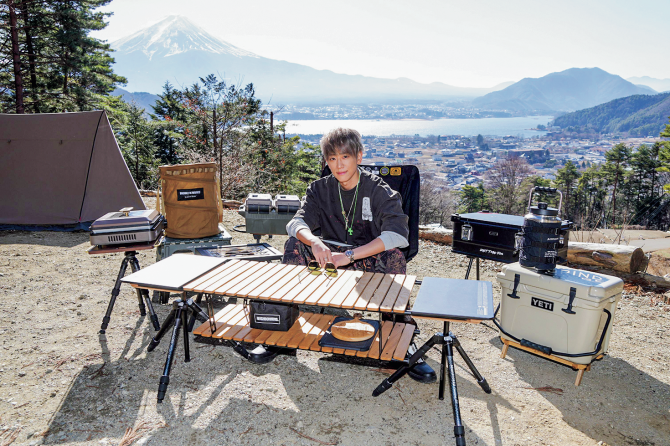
(61, 169)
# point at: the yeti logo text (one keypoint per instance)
(544, 304)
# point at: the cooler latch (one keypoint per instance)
(573, 292)
(517, 279)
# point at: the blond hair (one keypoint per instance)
(344, 141)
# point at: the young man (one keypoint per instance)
(357, 208)
(349, 206)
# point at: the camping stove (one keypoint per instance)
(127, 226)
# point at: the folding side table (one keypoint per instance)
(449, 300)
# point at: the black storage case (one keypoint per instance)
(272, 316)
(494, 236)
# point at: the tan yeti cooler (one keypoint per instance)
(563, 315)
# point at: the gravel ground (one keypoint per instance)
(63, 383)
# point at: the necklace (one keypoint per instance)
(347, 227)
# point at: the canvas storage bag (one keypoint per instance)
(190, 200)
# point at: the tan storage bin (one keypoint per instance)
(191, 200)
(542, 315)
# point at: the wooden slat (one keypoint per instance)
(368, 292)
(277, 335)
(310, 289)
(265, 268)
(221, 274)
(401, 302)
(392, 294)
(204, 278)
(380, 293)
(223, 289)
(383, 334)
(239, 317)
(329, 284)
(317, 330)
(252, 335)
(271, 290)
(392, 342)
(225, 276)
(305, 328)
(266, 280)
(340, 289)
(239, 325)
(240, 335)
(350, 352)
(232, 276)
(403, 344)
(262, 336)
(292, 288)
(204, 329)
(354, 293)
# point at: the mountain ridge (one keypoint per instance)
(637, 115)
(568, 90)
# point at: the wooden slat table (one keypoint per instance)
(296, 284)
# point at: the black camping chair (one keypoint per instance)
(406, 181)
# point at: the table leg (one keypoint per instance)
(144, 294)
(459, 430)
(115, 293)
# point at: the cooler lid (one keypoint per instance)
(590, 286)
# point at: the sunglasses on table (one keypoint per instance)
(314, 268)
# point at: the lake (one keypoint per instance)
(465, 127)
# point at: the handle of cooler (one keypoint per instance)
(573, 293)
(543, 348)
(517, 279)
(548, 190)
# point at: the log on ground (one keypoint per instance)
(436, 234)
(624, 258)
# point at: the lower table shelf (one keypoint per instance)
(232, 323)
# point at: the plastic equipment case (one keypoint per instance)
(563, 313)
(494, 236)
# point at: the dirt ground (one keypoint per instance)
(63, 383)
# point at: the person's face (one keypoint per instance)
(345, 168)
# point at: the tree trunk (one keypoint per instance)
(18, 79)
(31, 58)
(624, 258)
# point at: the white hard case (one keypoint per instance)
(545, 322)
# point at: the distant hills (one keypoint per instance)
(568, 90)
(142, 99)
(639, 115)
(661, 85)
(178, 51)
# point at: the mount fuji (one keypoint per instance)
(180, 52)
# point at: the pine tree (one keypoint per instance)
(614, 170)
(566, 181)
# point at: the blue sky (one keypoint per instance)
(463, 43)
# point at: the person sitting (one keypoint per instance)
(353, 207)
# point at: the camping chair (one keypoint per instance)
(406, 181)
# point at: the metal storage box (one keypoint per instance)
(287, 203)
(261, 203)
(566, 313)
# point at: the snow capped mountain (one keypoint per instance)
(180, 52)
(175, 35)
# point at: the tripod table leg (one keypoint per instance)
(167, 323)
(459, 430)
(142, 293)
(480, 379)
(115, 293)
(165, 379)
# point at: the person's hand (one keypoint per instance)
(339, 259)
(321, 253)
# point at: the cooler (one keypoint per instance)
(562, 315)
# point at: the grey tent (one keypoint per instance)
(61, 169)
